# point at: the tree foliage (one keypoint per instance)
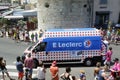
(3, 21)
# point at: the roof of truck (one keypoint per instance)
(72, 32)
(72, 29)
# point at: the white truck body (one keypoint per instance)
(79, 45)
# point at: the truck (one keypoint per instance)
(69, 46)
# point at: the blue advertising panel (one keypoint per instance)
(73, 43)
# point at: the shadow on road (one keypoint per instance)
(69, 65)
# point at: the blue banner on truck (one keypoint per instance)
(73, 43)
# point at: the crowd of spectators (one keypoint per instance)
(101, 72)
(22, 35)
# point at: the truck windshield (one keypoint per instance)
(32, 46)
(41, 47)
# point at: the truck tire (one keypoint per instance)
(88, 62)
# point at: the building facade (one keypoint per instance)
(63, 14)
(106, 12)
(77, 13)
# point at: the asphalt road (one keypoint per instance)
(10, 49)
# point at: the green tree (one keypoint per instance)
(3, 22)
(21, 23)
(34, 20)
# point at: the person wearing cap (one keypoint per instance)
(54, 70)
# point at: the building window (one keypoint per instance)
(103, 1)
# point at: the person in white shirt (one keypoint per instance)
(106, 42)
(41, 72)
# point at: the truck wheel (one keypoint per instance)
(88, 62)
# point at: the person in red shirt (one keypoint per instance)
(108, 56)
(115, 70)
(29, 64)
(54, 70)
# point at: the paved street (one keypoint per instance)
(9, 50)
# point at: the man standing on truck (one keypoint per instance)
(29, 64)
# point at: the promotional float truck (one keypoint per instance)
(82, 45)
